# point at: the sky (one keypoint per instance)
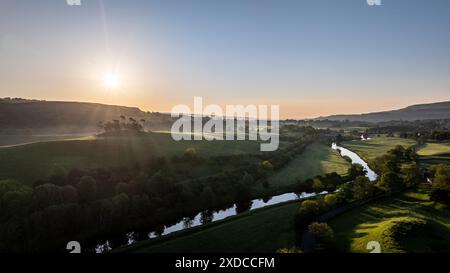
(311, 57)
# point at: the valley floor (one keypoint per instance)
(375, 147)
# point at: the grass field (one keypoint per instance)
(260, 231)
(11, 140)
(317, 159)
(409, 222)
(28, 163)
(370, 149)
(434, 153)
(434, 149)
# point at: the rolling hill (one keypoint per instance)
(439, 110)
(20, 116)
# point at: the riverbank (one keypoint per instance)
(173, 232)
(262, 230)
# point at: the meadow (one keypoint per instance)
(434, 148)
(317, 159)
(14, 140)
(30, 162)
(406, 222)
(434, 153)
(375, 147)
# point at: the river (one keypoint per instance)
(208, 217)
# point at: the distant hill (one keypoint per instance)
(439, 110)
(41, 117)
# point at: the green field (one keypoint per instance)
(260, 231)
(370, 149)
(434, 153)
(28, 163)
(408, 222)
(317, 159)
(12, 140)
(434, 149)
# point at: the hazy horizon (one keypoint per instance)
(313, 58)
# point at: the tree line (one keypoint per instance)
(398, 170)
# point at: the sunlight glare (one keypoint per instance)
(111, 81)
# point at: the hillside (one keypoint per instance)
(439, 110)
(18, 116)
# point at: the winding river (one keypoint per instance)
(208, 217)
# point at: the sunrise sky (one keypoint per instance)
(313, 58)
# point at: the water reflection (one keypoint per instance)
(356, 160)
(243, 206)
(206, 217)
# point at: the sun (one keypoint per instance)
(111, 80)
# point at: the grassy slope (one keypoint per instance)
(14, 140)
(435, 153)
(263, 231)
(370, 149)
(317, 159)
(28, 163)
(376, 221)
(432, 149)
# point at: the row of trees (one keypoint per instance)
(123, 124)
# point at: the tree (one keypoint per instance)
(332, 180)
(141, 205)
(390, 182)
(362, 188)
(190, 153)
(58, 175)
(87, 189)
(47, 195)
(207, 197)
(412, 174)
(345, 192)
(15, 203)
(308, 211)
(322, 235)
(331, 200)
(398, 152)
(267, 165)
(442, 177)
(440, 189)
(121, 206)
(411, 154)
(248, 179)
(355, 170)
(243, 192)
(318, 185)
(69, 194)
